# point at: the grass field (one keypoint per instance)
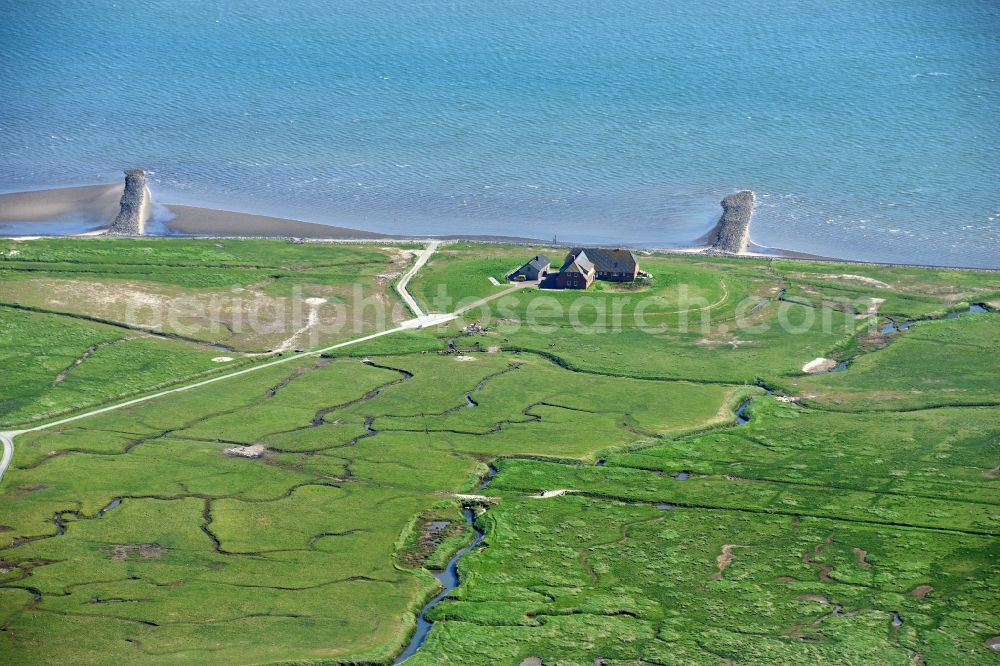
(292, 515)
(130, 315)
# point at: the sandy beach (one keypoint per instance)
(96, 202)
(45, 212)
(98, 205)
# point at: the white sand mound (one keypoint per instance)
(819, 365)
(873, 306)
(859, 278)
(465, 358)
(222, 359)
(255, 451)
(545, 494)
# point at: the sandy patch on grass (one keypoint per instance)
(725, 559)
(862, 558)
(222, 359)
(546, 494)
(873, 304)
(254, 451)
(402, 255)
(145, 551)
(113, 294)
(818, 598)
(818, 365)
(732, 341)
(858, 278)
(312, 320)
(475, 498)
(462, 359)
(921, 591)
(24, 490)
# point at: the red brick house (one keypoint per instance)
(611, 265)
(578, 272)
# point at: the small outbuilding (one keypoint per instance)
(534, 270)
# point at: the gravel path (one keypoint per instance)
(405, 280)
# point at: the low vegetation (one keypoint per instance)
(295, 514)
(129, 315)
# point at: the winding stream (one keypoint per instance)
(741, 412)
(895, 327)
(448, 577)
(892, 326)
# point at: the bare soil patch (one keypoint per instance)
(872, 282)
(824, 569)
(818, 598)
(24, 490)
(873, 305)
(432, 534)
(253, 451)
(145, 551)
(725, 559)
(872, 340)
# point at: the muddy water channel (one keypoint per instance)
(894, 326)
(448, 577)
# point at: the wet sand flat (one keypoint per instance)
(210, 222)
(99, 202)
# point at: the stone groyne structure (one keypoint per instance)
(134, 206)
(732, 234)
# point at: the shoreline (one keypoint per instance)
(88, 211)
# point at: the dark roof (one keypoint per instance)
(578, 262)
(538, 264)
(607, 261)
(540, 261)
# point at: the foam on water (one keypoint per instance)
(614, 121)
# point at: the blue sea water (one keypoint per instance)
(869, 129)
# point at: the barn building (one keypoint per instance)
(534, 270)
